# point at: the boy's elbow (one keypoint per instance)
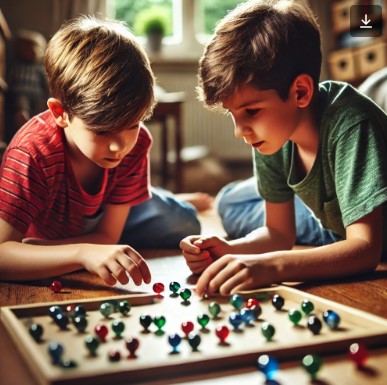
(284, 241)
(372, 255)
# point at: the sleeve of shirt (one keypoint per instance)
(23, 189)
(359, 159)
(272, 173)
(129, 184)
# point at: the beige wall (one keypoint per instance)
(27, 14)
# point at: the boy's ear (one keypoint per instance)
(303, 88)
(58, 112)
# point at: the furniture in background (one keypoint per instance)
(355, 58)
(169, 108)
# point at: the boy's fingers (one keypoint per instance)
(188, 245)
(198, 267)
(122, 276)
(215, 276)
(205, 279)
(207, 242)
(136, 258)
(106, 276)
(236, 281)
(196, 257)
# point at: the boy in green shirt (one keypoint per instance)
(325, 142)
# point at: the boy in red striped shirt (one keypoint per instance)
(70, 175)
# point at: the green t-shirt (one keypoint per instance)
(348, 179)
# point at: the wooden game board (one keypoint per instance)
(154, 359)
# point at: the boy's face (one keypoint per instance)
(106, 150)
(263, 119)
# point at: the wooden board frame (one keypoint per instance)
(155, 361)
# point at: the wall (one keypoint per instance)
(27, 14)
(200, 126)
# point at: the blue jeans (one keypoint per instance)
(161, 222)
(242, 210)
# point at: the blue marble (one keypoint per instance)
(268, 365)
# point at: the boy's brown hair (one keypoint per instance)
(266, 43)
(100, 74)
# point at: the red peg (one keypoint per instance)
(222, 332)
(101, 331)
(187, 327)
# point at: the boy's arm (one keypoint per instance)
(108, 230)
(279, 232)
(23, 261)
(358, 253)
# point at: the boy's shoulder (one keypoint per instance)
(337, 94)
(342, 105)
(40, 136)
(144, 141)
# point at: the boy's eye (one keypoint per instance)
(251, 112)
(134, 127)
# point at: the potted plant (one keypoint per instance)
(154, 24)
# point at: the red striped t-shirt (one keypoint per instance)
(39, 194)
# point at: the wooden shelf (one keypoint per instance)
(355, 58)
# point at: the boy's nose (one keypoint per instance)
(117, 146)
(240, 131)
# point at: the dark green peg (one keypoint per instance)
(174, 287)
(268, 331)
(203, 320)
(92, 343)
(124, 307)
(236, 300)
(194, 341)
(118, 327)
(295, 315)
(307, 307)
(185, 294)
(214, 309)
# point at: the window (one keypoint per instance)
(211, 11)
(134, 12)
(187, 19)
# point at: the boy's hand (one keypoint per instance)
(115, 263)
(199, 252)
(232, 273)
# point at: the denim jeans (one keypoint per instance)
(161, 222)
(242, 210)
